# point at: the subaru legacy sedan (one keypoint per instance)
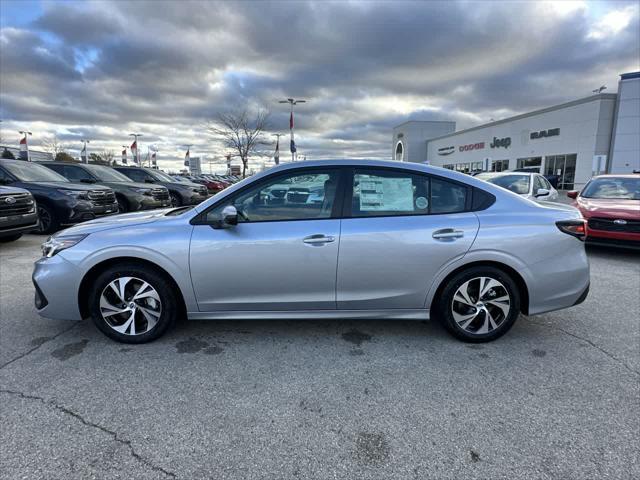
(379, 240)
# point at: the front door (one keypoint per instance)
(404, 228)
(283, 253)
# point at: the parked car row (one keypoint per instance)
(609, 203)
(46, 197)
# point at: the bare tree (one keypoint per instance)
(108, 157)
(242, 132)
(52, 145)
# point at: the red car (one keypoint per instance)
(611, 206)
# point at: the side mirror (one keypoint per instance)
(229, 216)
(148, 180)
(88, 180)
(542, 192)
(5, 181)
(572, 194)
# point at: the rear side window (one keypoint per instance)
(390, 193)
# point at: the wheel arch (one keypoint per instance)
(512, 272)
(98, 268)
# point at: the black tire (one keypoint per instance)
(176, 201)
(445, 308)
(10, 238)
(49, 221)
(123, 205)
(157, 280)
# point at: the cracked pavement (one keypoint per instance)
(556, 398)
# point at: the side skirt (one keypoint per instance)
(397, 314)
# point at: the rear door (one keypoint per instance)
(400, 228)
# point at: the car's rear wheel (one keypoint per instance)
(479, 304)
(133, 303)
(49, 222)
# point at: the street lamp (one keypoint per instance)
(136, 157)
(292, 102)
(26, 142)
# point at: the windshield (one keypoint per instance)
(516, 183)
(163, 177)
(618, 188)
(107, 174)
(180, 179)
(31, 172)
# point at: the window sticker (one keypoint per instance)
(385, 194)
(422, 203)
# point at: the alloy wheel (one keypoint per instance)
(480, 305)
(130, 306)
(45, 219)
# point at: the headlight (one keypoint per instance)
(54, 245)
(79, 194)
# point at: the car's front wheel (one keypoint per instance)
(133, 303)
(479, 304)
(49, 221)
(176, 201)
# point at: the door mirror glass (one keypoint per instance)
(148, 180)
(88, 180)
(229, 216)
(542, 192)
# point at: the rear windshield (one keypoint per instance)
(617, 188)
(516, 183)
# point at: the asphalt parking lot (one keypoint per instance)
(556, 398)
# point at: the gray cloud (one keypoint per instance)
(165, 68)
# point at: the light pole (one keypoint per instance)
(276, 155)
(136, 156)
(25, 142)
(83, 153)
(292, 102)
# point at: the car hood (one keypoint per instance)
(602, 207)
(116, 221)
(67, 185)
(121, 185)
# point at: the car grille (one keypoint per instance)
(160, 194)
(203, 191)
(20, 204)
(102, 197)
(609, 225)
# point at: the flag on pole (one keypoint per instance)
(124, 156)
(24, 148)
(83, 154)
(293, 146)
(134, 151)
(186, 158)
(291, 121)
(153, 159)
(276, 155)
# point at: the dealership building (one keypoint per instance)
(572, 141)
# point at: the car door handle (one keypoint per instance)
(318, 239)
(446, 233)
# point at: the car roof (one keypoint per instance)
(621, 175)
(509, 172)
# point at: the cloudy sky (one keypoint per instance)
(103, 69)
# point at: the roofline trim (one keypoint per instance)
(592, 98)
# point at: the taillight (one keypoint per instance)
(575, 228)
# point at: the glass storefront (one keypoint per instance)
(530, 162)
(561, 168)
(499, 165)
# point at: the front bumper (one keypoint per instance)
(613, 239)
(18, 224)
(56, 283)
(146, 202)
(82, 210)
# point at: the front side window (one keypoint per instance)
(295, 196)
(75, 174)
(516, 183)
(137, 175)
(391, 193)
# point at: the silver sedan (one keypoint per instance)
(323, 239)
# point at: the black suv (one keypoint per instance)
(131, 196)
(60, 202)
(17, 213)
(180, 193)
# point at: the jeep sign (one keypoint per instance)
(501, 142)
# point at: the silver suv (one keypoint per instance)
(323, 239)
